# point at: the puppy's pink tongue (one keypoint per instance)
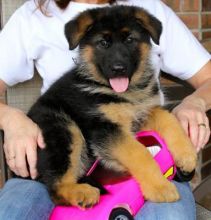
(119, 84)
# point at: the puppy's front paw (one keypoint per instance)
(81, 195)
(186, 160)
(161, 192)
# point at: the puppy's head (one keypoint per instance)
(114, 43)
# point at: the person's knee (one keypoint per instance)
(164, 211)
(24, 186)
(183, 209)
(26, 198)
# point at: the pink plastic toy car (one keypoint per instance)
(124, 197)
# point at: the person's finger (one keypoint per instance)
(20, 161)
(40, 140)
(202, 125)
(12, 166)
(6, 150)
(10, 157)
(31, 154)
(184, 123)
(207, 136)
(9, 149)
(202, 131)
(193, 132)
(11, 163)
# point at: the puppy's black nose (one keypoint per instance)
(118, 68)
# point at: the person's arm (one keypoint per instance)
(21, 138)
(192, 111)
(21, 135)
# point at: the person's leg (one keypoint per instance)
(24, 199)
(184, 209)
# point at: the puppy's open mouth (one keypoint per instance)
(119, 84)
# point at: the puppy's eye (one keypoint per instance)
(104, 43)
(129, 40)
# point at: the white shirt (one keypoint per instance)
(29, 38)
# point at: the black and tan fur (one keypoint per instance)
(82, 118)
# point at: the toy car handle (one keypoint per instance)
(180, 175)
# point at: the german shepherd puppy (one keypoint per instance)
(94, 110)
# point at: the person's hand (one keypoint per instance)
(21, 138)
(191, 113)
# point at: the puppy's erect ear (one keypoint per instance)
(150, 23)
(76, 28)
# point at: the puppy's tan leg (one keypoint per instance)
(178, 143)
(68, 191)
(140, 164)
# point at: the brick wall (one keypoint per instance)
(196, 14)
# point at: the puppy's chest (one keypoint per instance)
(125, 114)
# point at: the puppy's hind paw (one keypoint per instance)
(165, 192)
